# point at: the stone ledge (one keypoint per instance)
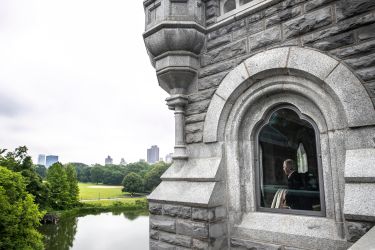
(203, 169)
(360, 165)
(357, 202)
(366, 242)
(185, 193)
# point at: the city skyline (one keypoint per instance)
(83, 78)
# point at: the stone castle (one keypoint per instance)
(274, 123)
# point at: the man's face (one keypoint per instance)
(286, 169)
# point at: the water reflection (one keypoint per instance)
(117, 230)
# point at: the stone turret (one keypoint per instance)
(174, 38)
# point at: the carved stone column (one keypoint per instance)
(174, 38)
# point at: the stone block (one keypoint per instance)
(370, 87)
(357, 205)
(157, 245)
(195, 118)
(367, 32)
(227, 29)
(201, 95)
(265, 38)
(357, 50)
(366, 242)
(177, 211)
(354, 98)
(194, 138)
(367, 74)
(219, 41)
(194, 127)
(361, 62)
(311, 5)
(318, 64)
(193, 229)
(163, 223)
(197, 107)
(349, 8)
(224, 52)
(283, 16)
(360, 165)
(250, 29)
(212, 119)
(334, 42)
(255, 17)
(155, 208)
(347, 25)
(217, 230)
(154, 234)
(233, 82)
(211, 81)
(357, 229)
(202, 214)
(175, 239)
(307, 23)
(246, 244)
(200, 245)
(217, 68)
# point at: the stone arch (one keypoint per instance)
(329, 77)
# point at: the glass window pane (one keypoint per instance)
(289, 177)
(227, 5)
(242, 2)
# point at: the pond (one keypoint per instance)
(124, 230)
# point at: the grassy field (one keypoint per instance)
(90, 191)
(122, 201)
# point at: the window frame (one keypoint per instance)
(254, 4)
(258, 169)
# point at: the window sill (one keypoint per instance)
(291, 230)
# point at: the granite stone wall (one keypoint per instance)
(344, 29)
(184, 227)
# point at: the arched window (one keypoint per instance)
(289, 173)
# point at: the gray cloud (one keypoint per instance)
(11, 107)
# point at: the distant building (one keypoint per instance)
(51, 159)
(153, 154)
(108, 160)
(168, 158)
(123, 162)
(42, 160)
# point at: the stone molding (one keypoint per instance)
(332, 75)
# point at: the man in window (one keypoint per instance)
(293, 197)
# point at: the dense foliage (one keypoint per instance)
(132, 183)
(114, 174)
(18, 161)
(19, 215)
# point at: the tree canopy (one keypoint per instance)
(19, 215)
(133, 183)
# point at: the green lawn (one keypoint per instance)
(90, 191)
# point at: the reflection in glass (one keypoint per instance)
(227, 5)
(242, 2)
(289, 176)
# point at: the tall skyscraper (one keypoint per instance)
(42, 159)
(153, 154)
(108, 160)
(51, 159)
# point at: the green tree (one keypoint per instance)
(59, 187)
(97, 174)
(19, 215)
(152, 177)
(41, 170)
(132, 183)
(20, 161)
(73, 189)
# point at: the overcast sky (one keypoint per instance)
(76, 81)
